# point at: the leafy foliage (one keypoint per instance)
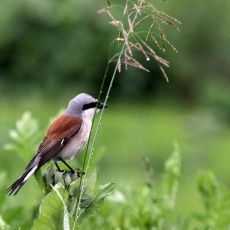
(59, 207)
(51, 211)
(24, 137)
(151, 205)
(146, 207)
(216, 201)
(11, 216)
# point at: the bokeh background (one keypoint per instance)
(52, 50)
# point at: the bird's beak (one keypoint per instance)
(101, 105)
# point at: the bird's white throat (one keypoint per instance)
(89, 113)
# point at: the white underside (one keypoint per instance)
(80, 140)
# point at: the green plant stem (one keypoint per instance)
(82, 184)
(82, 181)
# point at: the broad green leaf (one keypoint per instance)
(103, 191)
(40, 180)
(66, 225)
(51, 212)
(90, 182)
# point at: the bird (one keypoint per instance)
(66, 136)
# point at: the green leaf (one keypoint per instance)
(66, 225)
(3, 224)
(48, 175)
(208, 187)
(74, 188)
(58, 178)
(103, 191)
(216, 198)
(24, 138)
(90, 182)
(171, 178)
(41, 182)
(51, 211)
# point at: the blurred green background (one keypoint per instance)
(51, 50)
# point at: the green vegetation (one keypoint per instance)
(120, 161)
(52, 50)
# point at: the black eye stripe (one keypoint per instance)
(90, 105)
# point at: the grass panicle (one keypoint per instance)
(129, 41)
(140, 24)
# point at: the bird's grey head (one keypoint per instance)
(83, 103)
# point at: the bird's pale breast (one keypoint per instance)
(77, 142)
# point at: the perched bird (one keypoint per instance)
(66, 136)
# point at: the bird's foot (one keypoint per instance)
(80, 173)
(72, 171)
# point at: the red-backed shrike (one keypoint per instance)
(66, 136)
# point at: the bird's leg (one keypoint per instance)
(71, 169)
(58, 168)
(80, 173)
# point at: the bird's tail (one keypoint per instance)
(17, 185)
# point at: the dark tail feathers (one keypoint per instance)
(17, 185)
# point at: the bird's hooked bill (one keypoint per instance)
(101, 105)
